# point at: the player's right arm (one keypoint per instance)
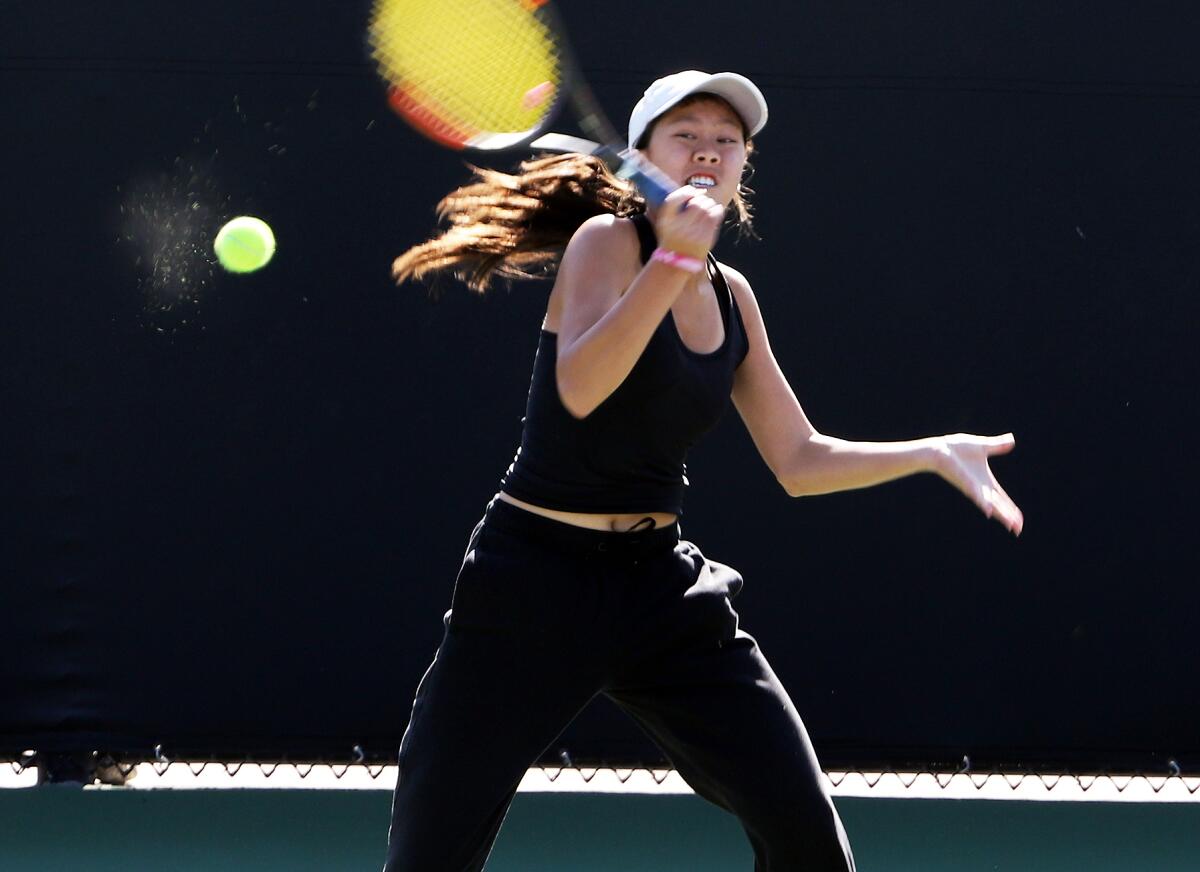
(605, 306)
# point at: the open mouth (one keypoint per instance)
(702, 180)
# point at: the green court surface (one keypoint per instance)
(51, 829)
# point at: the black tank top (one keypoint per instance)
(628, 454)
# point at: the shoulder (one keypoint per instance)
(604, 250)
(600, 261)
(602, 236)
(737, 281)
(743, 294)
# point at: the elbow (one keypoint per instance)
(794, 486)
(806, 486)
(791, 481)
(796, 474)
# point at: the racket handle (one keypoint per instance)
(654, 184)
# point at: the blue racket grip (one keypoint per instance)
(654, 184)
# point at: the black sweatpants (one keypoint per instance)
(544, 617)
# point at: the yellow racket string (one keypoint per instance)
(486, 66)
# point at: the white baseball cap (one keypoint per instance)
(742, 94)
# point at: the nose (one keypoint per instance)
(705, 154)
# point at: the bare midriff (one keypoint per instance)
(616, 523)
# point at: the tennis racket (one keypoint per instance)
(491, 75)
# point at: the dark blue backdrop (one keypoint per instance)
(234, 505)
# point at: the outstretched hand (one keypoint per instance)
(963, 461)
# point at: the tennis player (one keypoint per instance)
(576, 581)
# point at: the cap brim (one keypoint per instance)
(742, 94)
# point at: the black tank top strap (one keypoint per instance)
(724, 293)
(645, 232)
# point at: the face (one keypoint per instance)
(701, 144)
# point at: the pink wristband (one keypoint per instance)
(675, 259)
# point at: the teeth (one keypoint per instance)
(702, 181)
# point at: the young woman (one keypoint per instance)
(576, 581)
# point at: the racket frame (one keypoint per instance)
(627, 162)
(572, 88)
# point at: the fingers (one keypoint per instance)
(689, 221)
(970, 473)
(990, 444)
(999, 444)
(692, 206)
(683, 197)
(1001, 507)
(995, 503)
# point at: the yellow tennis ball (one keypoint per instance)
(244, 244)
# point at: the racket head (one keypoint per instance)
(472, 74)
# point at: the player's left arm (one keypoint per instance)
(806, 461)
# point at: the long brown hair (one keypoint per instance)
(515, 226)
